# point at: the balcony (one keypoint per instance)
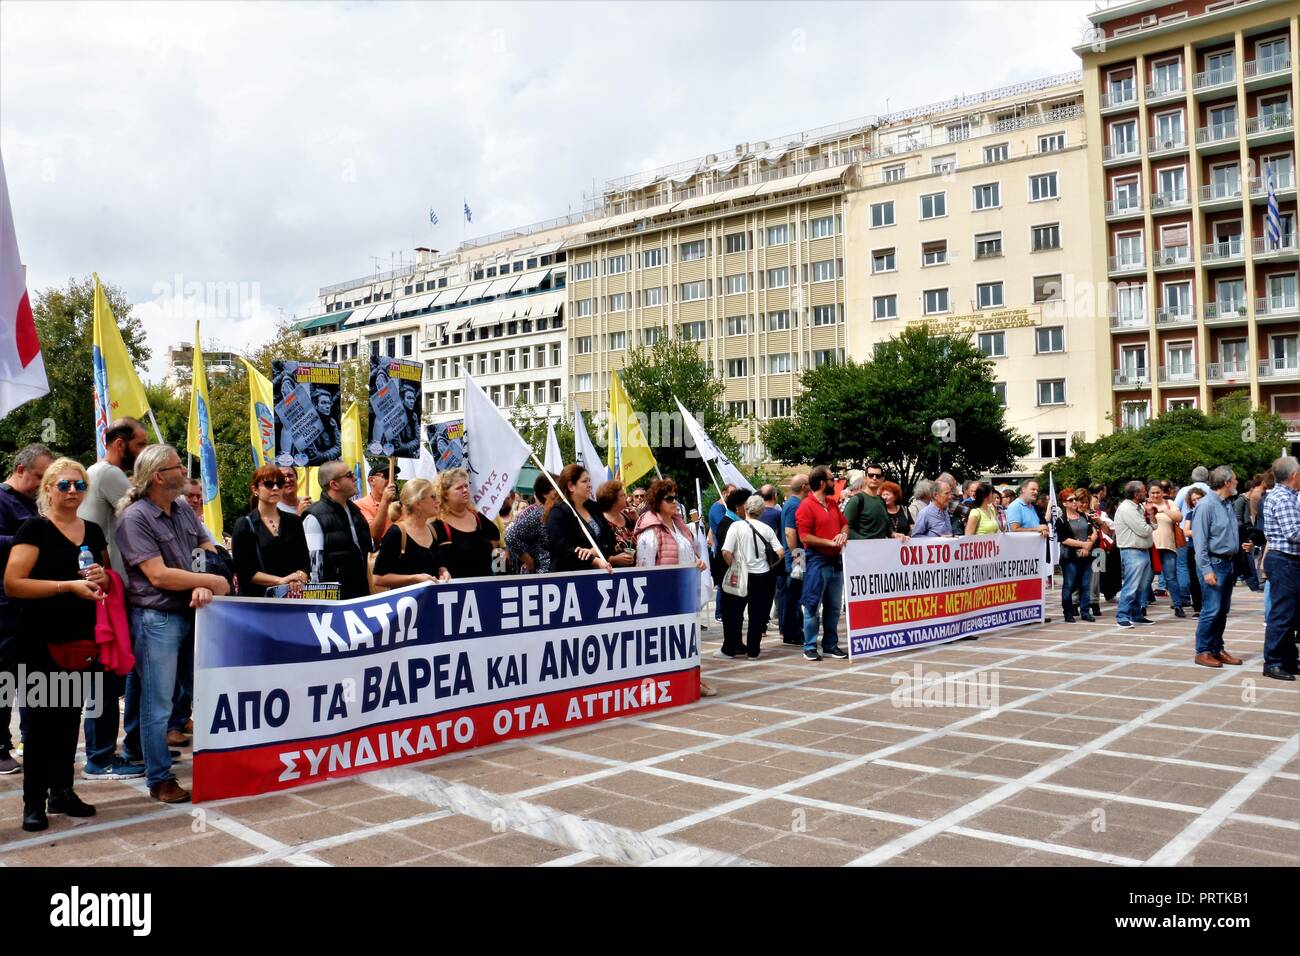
(1125, 151)
(1162, 145)
(1173, 200)
(1232, 249)
(1174, 257)
(1232, 312)
(1280, 370)
(1277, 308)
(1275, 127)
(1159, 92)
(1283, 182)
(1211, 80)
(1130, 378)
(1126, 264)
(1230, 373)
(1126, 207)
(1221, 194)
(1119, 99)
(1123, 322)
(1218, 138)
(1170, 318)
(1265, 248)
(1260, 72)
(1178, 376)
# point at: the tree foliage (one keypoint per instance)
(881, 411)
(1172, 444)
(532, 427)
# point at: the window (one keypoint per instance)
(988, 295)
(618, 302)
(1133, 414)
(824, 314)
(740, 409)
(987, 196)
(823, 271)
(822, 227)
(1043, 187)
(737, 325)
(943, 164)
(692, 291)
(584, 307)
(934, 253)
(1047, 237)
(737, 367)
(1047, 288)
(1051, 142)
(692, 250)
(779, 363)
(778, 235)
(884, 307)
(1000, 393)
(778, 278)
(778, 408)
(778, 321)
(737, 283)
(652, 334)
(993, 344)
(1051, 446)
(737, 242)
(882, 260)
(581, 270)
(555, 391)
(1173, 404)
(1179, 361)
(511, 356)
(651, 258)
(894, 174)
(408, 344)
(555, 353)
(882, 214)
(826, 357)
(617, 341)
(581, 346)
(582, 383)
(996, 154)
(693, 331)
(934, 205)
(1167, 77)
(1049, 338)
(936, 301)
(652, 296)
(615, 265)
(988, 245)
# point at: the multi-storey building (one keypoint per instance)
(180, 365)
(1192, 135)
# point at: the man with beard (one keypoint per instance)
(123, 441)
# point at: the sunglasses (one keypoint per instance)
(65, 485)
(869, 475)
(273, 482)
(670, 497)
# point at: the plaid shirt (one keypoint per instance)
(1282, 520)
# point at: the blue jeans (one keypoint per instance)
(823, 584)
(1136, 568)
(1169, 562)
(159, 636)
(1283, 616)
(778, 605)
(1186, 563)
(1076, 575)
(1216, 601)
(1251, 577)
(183, 695)
(101, 731)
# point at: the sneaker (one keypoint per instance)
(724, 654)
(119, 769)
(707, 691)
(1143, 620)
(9, 765)
(811, 656)
(1179, 612)
(189, 727)
(838, 653)
(68, 802)
(752, 657)
(1123, 623)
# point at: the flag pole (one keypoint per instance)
(158, 431)
(565, 498)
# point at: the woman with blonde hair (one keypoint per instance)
(407, 554)
(56, 633)
(464, 539)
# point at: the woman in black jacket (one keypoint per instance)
(570, 548)
(270, 548)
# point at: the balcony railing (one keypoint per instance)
(1217, 133)
(1130, 377)
(1126, 96)
(1174, 256)
(1270, 123)
(1122, 321)
(1279, 368)
(1264, 246)
(1224, 250)
(1268, 65)
(1156, 91)
(1231, 309)
(1282, 179)
(1122, 150)
(1165, 317)
(1170, 200)
(1211, 78)
(1128, 263)
(1158, 144)
(1225, 372)
(1176, 375)
(1128, 205)
(1228, 190)
(1277, 305)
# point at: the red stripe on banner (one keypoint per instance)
(912, 609)
(294, 763)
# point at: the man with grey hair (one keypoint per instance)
(791, 619)
(1217, 542)
(1134, 536)
(1282, 566)
(17, 504)
(920, 498)
(338, 535)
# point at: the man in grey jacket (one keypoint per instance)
(1216, 541)
(1133, 537)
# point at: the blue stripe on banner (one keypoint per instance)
(913, 637)
(248, 632)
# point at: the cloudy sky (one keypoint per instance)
(180, 148)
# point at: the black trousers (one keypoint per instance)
(792, 614)
(50, 749)
(758, 603)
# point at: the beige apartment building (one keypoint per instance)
(1192, 134)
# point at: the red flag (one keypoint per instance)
(22, 369)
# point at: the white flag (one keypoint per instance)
(423, 467)
(494, 452)
(1053, 510)
(586, 453)
(711, 452)
(22, 368)
(552, 462)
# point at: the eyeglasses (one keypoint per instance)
(65, 485)
(273, 482)
(172, 467)
(1070, 501)
(670, 497)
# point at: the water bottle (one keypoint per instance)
(84, 560)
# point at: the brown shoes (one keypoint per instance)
(1226, 658)
(1208, 660)
(169, 791)
(177, 739)
(189, 727)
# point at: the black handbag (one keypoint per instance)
(769, 553)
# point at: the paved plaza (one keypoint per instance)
(1106, 747)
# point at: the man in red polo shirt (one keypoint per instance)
(821, 527)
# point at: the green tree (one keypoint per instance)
(1172, 444)
(674, 368)
(65, 418)
(532, 428)
(880, 411)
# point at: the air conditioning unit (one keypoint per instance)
(1169, 144)
(1148, 21)
(1157, 201)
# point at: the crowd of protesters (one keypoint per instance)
(116, 557)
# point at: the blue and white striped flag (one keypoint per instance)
(433, 217)
(1272, 219)
(469, 217)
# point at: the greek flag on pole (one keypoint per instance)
(433, 217)
(469, 217)
(1272, 219)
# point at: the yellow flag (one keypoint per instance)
(261, 420)
(629, 453)
(354, 443)
(200, 442)
(118, 391)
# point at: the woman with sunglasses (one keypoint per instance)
(57, 605)
(1077, 537)
(270, 548)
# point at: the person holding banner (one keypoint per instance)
(270, 548)
(407, 555)
(750, 541)
(611, 500)
(570, 548)
(1077, 537)
(56, 624)
(464, 539)
(983, 516)
(376, 505)
(337, 534)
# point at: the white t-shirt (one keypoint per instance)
(743, 546)
(108, 485)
